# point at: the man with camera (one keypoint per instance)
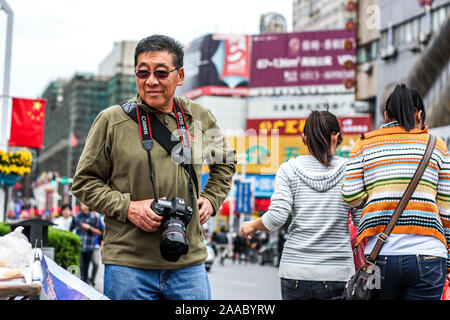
(141, 167)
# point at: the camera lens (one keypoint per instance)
(173, 241)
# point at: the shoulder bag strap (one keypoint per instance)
(382, 238)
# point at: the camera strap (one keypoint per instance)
(150, 127)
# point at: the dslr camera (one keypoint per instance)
(176, 216)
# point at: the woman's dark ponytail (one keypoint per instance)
(319, 127)
(401, 107)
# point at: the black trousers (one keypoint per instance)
(85, 259)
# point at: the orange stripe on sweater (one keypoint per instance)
(390, 161)
(403, 229)
(391, 205)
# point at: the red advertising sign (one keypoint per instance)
(349, 125)
(304, 58)
(237, 57)
(218, 65)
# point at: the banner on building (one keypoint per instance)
(216, 65)
(244, 197)
(263, 184)
(312, 58)
(294, 126)
(27, 123)
(264, 154)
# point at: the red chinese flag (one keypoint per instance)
(27, 123)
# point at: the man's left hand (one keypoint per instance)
(205, 209)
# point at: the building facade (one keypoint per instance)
(68, 121)
(367, 48)
(120, 60)
(414, 49)
(319, 15)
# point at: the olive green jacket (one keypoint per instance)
(113, 170)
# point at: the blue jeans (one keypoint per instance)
(127, 283)
(311, 290)
(411, 277)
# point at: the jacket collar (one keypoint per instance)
(184, 104)
(392, 128)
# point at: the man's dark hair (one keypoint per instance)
(66, 205)
(159, 42)
(319, 127)
(402, 105)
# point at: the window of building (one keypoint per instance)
(362, 55)
(374, 50)
(408, 33)
(383, 39)
(367, 52)
(399, 35)
(438, 18)
(442, 14)
(415, 28)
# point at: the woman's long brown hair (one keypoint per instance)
(319, 127)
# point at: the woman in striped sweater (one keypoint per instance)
(381, 164)
(317, 258)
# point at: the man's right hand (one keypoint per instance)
(142, 216)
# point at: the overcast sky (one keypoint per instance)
(54, 39)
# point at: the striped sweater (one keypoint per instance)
(381, 164)
(318, 244)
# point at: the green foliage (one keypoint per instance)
(67, 245)
(4, 229)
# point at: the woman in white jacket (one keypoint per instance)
(317, 258)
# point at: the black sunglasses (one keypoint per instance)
(159, 74)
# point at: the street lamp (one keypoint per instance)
(6, 76)
(4, 125)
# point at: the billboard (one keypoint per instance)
(264, 154)
(217, 65)
(313, 58)
(294, 126)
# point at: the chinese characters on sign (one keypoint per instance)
(302, 58)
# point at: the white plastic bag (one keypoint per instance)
(15, 250)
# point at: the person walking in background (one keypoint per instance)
(413, 260)
(239, 248)
(64, 221)
(317, 258)
(96, 256)
(86, 224)
(222, 244)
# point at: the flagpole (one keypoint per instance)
(5, 97)
(6, 77)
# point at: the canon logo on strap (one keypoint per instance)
(144, 124)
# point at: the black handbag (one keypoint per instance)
(361, 285)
